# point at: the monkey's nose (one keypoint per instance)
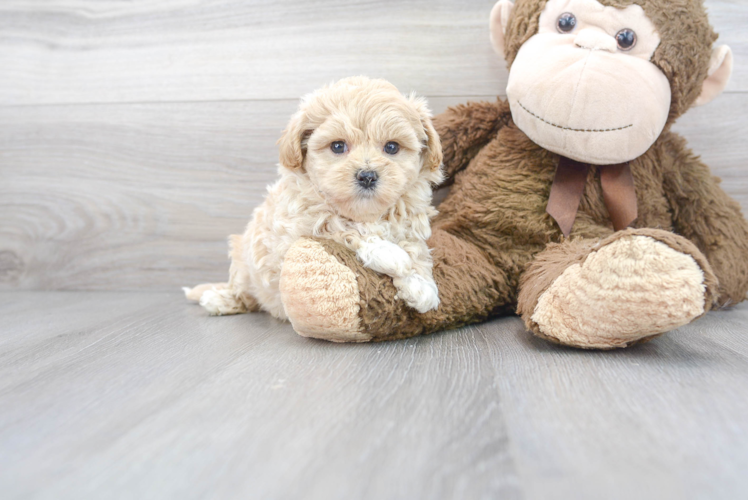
(367, 179)
(595, 39)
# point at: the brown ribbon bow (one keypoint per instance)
(619, 194)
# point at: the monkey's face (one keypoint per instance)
(584, 86)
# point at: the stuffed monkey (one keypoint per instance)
(573, 203)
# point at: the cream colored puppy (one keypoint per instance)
(357, 164)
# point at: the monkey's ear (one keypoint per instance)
(720, 70)
(292, 143)
(499, 20)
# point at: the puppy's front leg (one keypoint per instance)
(418, 289)
(384, 257)
(414, 284)
(418, 292)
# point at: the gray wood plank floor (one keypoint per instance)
(134, 136)
(140, 395)
(77, 51)
(127, 197)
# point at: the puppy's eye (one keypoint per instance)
(626, 39)
(339, 147)
(391, 148)
(566, 23)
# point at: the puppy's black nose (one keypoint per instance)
(367, 179)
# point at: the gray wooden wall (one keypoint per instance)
(135, 136)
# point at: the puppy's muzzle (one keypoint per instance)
(367, 179)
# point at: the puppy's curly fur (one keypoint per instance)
(321, 193)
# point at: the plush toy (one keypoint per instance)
(573, 203)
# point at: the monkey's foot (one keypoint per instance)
(633, 286)
(320, 294)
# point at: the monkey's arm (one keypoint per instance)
(465, 129)
(706, 215)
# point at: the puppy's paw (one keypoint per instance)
(195, 293)
(221, 302)
(191, 294)
(418, 292)
(385, 257)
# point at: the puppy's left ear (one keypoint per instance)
(292, 143)
(431, 154)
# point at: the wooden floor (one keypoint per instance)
(135, 136)
(141, 395)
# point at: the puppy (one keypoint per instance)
(357, 164)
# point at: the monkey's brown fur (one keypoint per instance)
(493, 224)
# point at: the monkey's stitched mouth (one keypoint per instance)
(569, 128)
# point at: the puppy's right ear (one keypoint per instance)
(292, 143)
(432, 153)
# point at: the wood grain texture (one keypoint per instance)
(76, 51)
(80, 182)
(141, 395)
(135, 136)
(143, 196)
(635, 423)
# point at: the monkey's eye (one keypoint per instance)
(626, 39)
(566, 23)
(391, 148)
(339, 147)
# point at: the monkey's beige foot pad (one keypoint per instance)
(633, 288)
(320, 295)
